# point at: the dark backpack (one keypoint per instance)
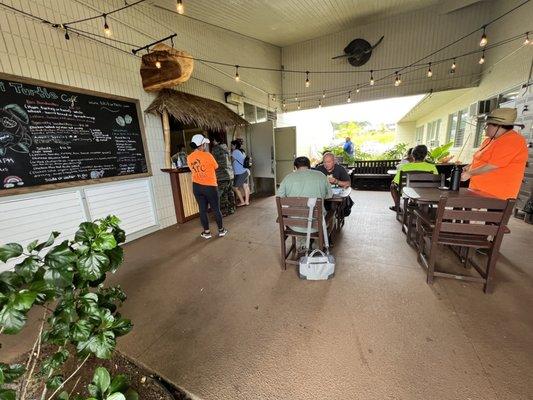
(247, 162)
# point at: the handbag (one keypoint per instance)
(316, 265)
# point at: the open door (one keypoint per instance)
(285, 150)
(262, 151)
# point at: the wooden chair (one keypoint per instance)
(294, 212)
(426, 179)
(417, 179)
(465, 222)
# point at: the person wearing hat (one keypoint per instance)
(204, 183)
(498, 166)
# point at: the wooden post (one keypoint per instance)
(166, 135)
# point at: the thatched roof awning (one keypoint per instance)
(194, 110)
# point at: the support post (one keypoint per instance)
(166, 135)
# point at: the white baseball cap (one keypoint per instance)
(199, 140)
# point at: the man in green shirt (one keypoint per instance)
(419, 155)
(305, 182)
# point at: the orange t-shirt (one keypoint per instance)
(203, 166)
(509, 154)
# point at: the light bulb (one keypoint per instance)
(430, 72)
(527, 41)
(299, 105)
(158, 64)
(482, 59)
(397, 80)
(237, 77)
(324, 94)
(453, 64)
(483, 42)
(349, 99)
(357, 89)
(296, 98)
(307, 83)
(107, 30)
(179, 7)
(67, 36)
(319, 103)
(273, 97)
(371, 77)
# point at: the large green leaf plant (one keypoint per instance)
(80, 314)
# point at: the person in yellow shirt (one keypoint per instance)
(204, 183)
(419, 155)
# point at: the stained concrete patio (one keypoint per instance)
(222, 320)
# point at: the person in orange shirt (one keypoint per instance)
(498, 166)
(204, 184)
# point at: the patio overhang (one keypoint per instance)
(194, 110)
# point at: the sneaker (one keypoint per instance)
(222, 232)
(206, 235)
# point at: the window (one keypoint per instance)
(480, 131)
(433, 133)
(419, 134)
(456, 127)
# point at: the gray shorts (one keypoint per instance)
(241, 179)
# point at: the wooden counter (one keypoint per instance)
(184, 201)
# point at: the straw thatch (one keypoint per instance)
(193, 110)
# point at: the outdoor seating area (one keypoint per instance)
(266, 200)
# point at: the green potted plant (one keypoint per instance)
(80, 317)
(440, 154)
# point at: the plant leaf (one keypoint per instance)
(116, 396)
(12, 372)
(10, 250)
(27, 268)
(54, 382)
(101, 345)
(131, 394)
(87, 232)
(116, 257)
(7, 394)
(49, 242)
(24, 300)
(1, 377)
(60, 256)
(32, 245)
(102, 379)
(92, 265)
(121, 326)
(104, 241)
(81, 330)
(63, 395)
(119, 383)
(12, 320)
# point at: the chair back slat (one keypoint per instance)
(296, 212)
(424, 179)
(300, 222)
(476, 202)
(293, 212)
(473, 215)
(469, 228)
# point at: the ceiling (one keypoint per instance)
(285, 22)
(431, 103)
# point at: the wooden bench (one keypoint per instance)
(372, 173)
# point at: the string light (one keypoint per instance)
(296, 98)
(397, 80)
(307, 83)
(283, 103)
(349, 99)
(158, 64)
(400, 78)
(319, 103)
(67, 37)
(237, 77)
(299, 105)
(323, 94)
(482, 59)
(430, 72)
(107, 30)
(357, 89)
(454, 65)
(179, 7)
(527, 41)
(483, 42)
(273, 97)
(371, 78)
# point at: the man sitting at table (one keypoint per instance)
(337, 174)
(304, 182)
(419, 155)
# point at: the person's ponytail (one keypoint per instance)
(193, 145)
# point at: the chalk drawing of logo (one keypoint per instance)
(12, 181)
(14, 134)
(120, 121)
(97, 174)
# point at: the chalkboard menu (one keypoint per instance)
(52, 134)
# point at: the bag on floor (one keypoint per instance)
(316, 265)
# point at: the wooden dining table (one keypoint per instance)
(433, 195)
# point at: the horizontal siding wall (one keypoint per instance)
(32, 49)
(407, 38)
(26, 218)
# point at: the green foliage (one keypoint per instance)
(396, 153)
(437, 154)
(69, 279)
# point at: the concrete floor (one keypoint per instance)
(222, 320)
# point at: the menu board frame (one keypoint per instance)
(82, 182)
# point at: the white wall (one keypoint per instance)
(32, 49)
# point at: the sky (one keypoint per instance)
(313, 127)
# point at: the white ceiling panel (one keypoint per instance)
(285, 22)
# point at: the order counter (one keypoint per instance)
(184, 201)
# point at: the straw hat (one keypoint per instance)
(502, 116)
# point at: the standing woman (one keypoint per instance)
(498, 166)
(204, 186)
(240, 183)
